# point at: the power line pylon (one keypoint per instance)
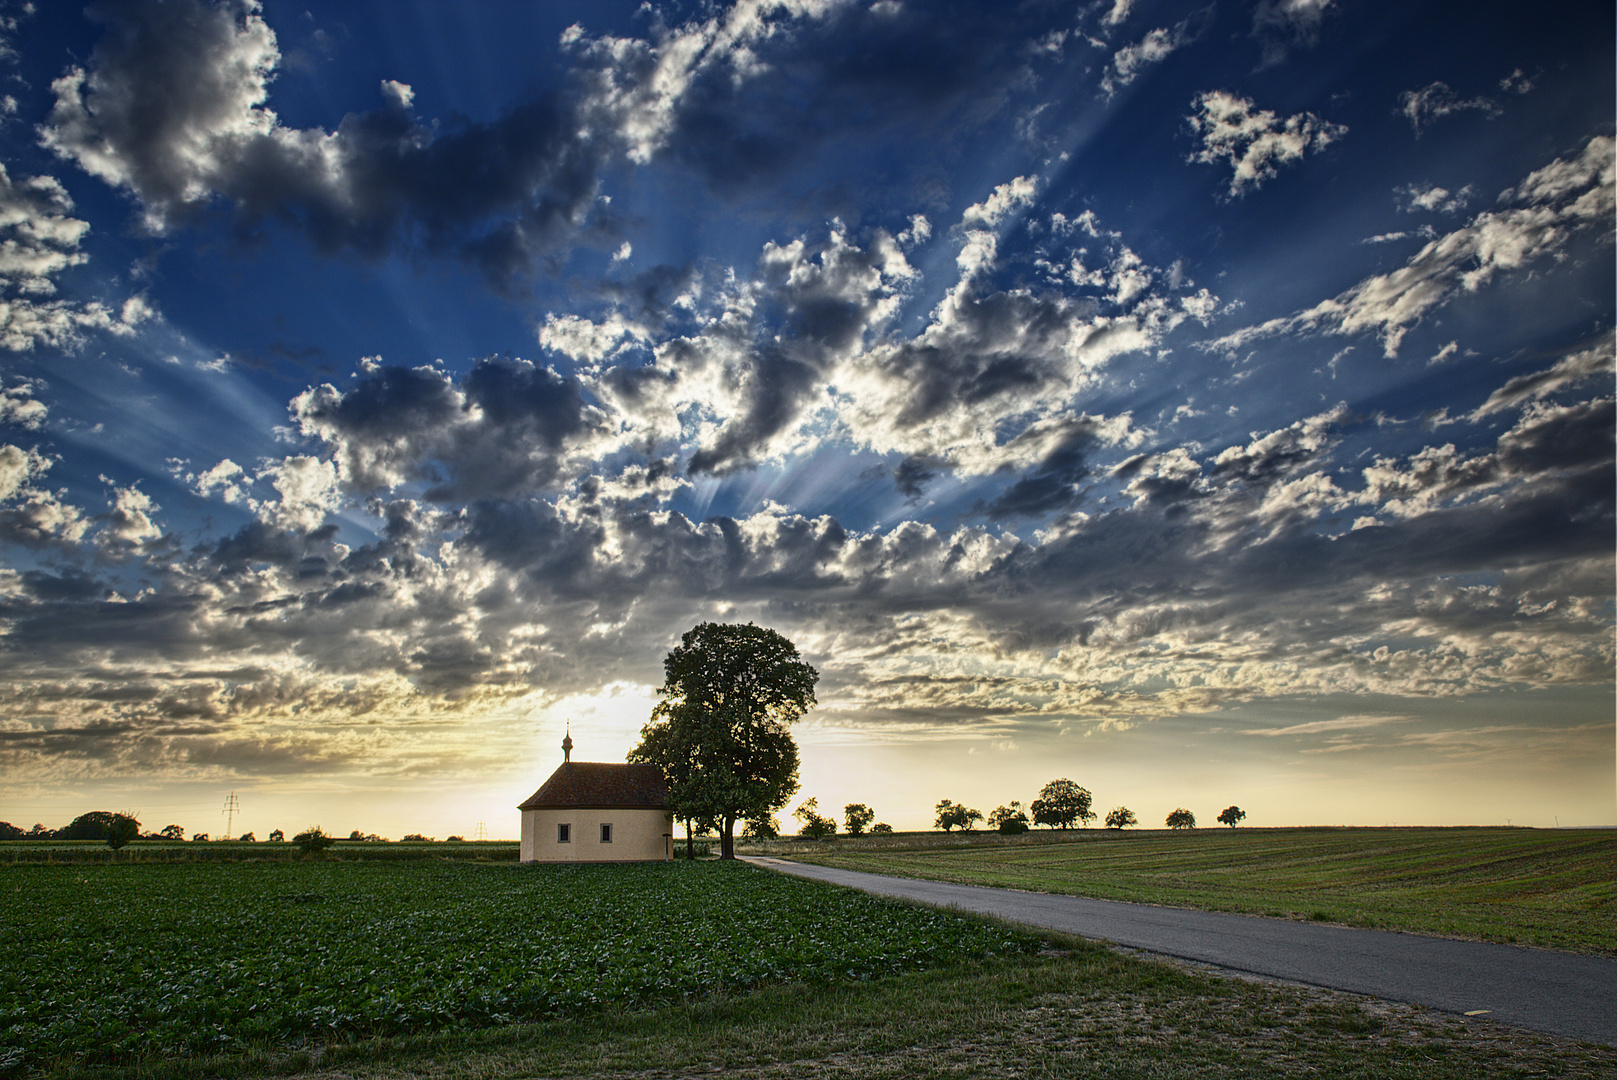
(232, 808)
(482, 831)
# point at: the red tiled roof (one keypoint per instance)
(601, 785)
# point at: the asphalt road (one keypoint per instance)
(1558, 993)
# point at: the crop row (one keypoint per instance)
(111, 963)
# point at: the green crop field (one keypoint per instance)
(1549, 888)
(112, 963)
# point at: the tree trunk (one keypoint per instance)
(727, 840)
(690, 842)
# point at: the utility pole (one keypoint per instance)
(232, 807)
(482, 831)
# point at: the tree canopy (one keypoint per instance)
(1061, 803)
(721, 733)
(1120, 817)
(1231, 816)
(953, 815)
(1181, 818)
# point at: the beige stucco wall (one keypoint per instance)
(637, 835)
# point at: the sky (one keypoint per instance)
(1208, 403)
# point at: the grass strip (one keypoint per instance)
(1548, 888)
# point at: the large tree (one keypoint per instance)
(721, 733)
(1061, 803)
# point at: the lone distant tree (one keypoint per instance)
(172, 832)
(816, 826)
(199, 838)
(1008, 819)
(1181, 819)
(1231, 816)
(1120, 817)
(856, 818)
(721, 733)
(123, 829)
(1061, 803)
(277, 836)
(761, 828)
(953, 815)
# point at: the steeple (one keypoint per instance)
(567, 745)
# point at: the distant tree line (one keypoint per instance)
(1061, 805)
(117, 830)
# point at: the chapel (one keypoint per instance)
(598, 811)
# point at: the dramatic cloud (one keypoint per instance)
(1252, 140)
(906, 329)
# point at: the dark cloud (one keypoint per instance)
(1278, 453)
(913, 474)
(507, 426)
(172, 107)
(1051, 485)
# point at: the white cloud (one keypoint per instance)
(227, 478)
(1316, 727)
(17, 468)
(1008, 198)
(1434, 199)
(634, 88)
(398, 94)
(1128, 62)
(582, 339)
(1446, 353)
(310, 490)
(19, 406)
(1435, 101)
(1553, 203)
(39, 241)
(1569, 370)
(1252, 140)
(130, 520)
(31, 515)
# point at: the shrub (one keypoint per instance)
(123, 829)
(1008, 819)
(880, 827)
(313, 840)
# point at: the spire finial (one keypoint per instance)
(567, 745)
